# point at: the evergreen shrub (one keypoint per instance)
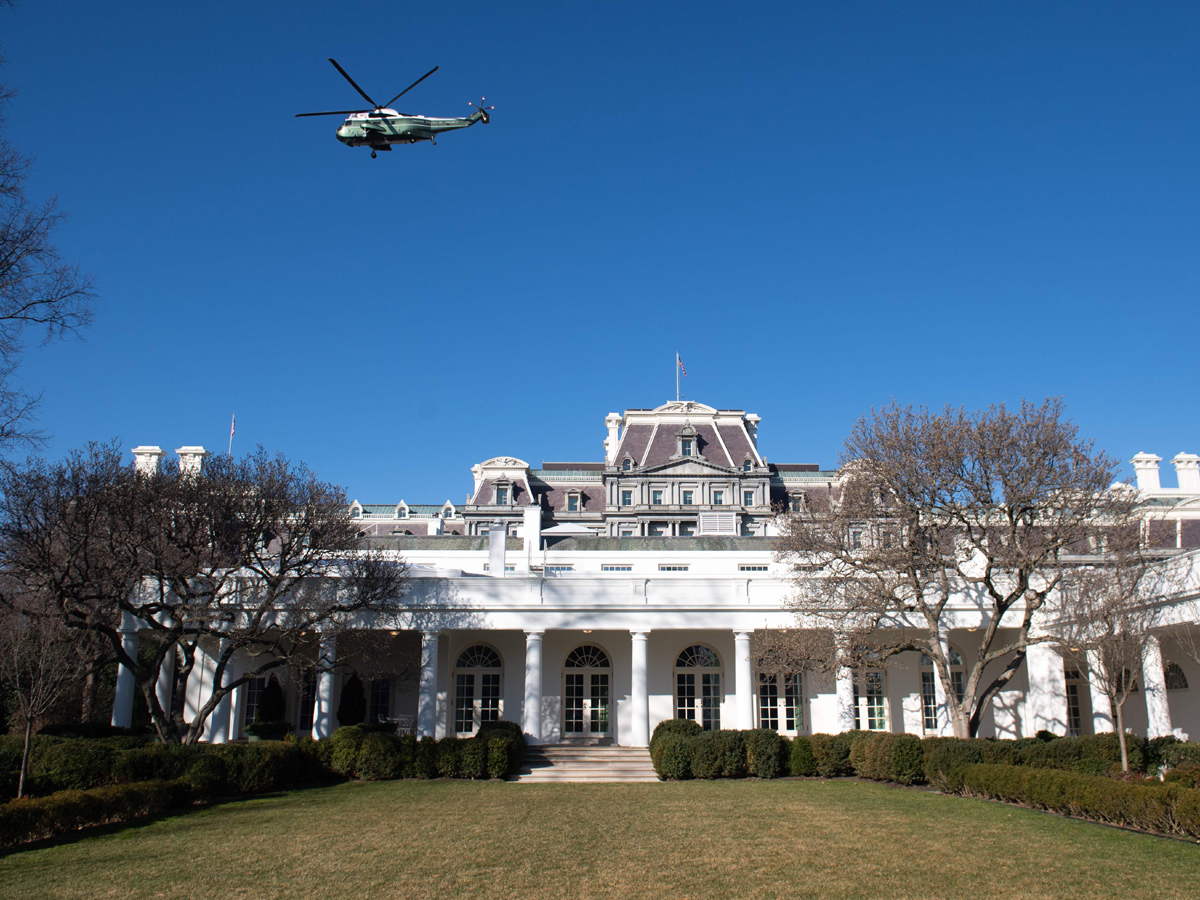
(31, 819)
(343, 750)
(72, 765)
(500, 755)
(447, 757)
(683, 727)
(907, 764)
(261, 766)
(154, 763)
(706, 755)
(732, 753)
(207, 776)
(425, 758)
(379, 758)
(764, 753)
(801, 760)
(673, 756)
(473, 757)
(832, 752)
(513, 732)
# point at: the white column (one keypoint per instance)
(744, 675)
(122, 716)
(845, 699)
(1046, 702)
(1154, 684)
(1102, 720)
(427, 696)
(531, 714)
(323, 711)
(237, 707)
(165, 686)
(639, 694)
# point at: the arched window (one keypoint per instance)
(587, 675)
(746, 464)
(698, 686)
(929, 692)
(627, 465)
(1174, 676)
(477, 676)
(781, 702)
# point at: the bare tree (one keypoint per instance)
(937, 511)
(40, 295)
(251, 558)
(38, 662)
(1103, 615)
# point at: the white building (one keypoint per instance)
(590, 601)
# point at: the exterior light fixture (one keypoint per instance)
(587, 631)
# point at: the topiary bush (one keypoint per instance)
(673, 756)
(425, 758)
(500, 758)
(473, 757)
(706, 755)
(343, 750)
(907, 764)
(801, 761)
(447, 757)
(379, 757)
(683, 727)
(764, 753)
(511, 731)
(832, 752)
(732, 751)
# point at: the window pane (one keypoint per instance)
(768, 702)
(928, 702)
(794, 701)
(464, 704)
(710, 701)
(685, 697)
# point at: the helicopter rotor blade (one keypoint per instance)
(411, 86)
(353, 83)
(335, 112)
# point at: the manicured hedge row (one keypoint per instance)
(1162, 808)
(31, 819)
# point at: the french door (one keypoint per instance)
(587, 678)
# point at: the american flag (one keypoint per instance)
(680, 363)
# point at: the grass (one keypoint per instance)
(794, 838)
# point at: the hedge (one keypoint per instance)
(31, 819)
(1162, 808)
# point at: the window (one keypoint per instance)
(687, 529)
(870, 701)
(254, 689)
(558, 570)
(753, 568)
(615, 568)
(587, 671)
(1074, 712)
(746, 465)
(718, 498)
(502, 496)
(685, 447)
(1174, 676)
(687, 498)
(672, 568)
(657, 529)
(929, 712)
(307, 695)
(381, 701)
(698, 687)
(626, 532)
(572, 503)
(771, 712)
(627, 498)
(627, 465)
(656, 498)
(796, 502)
(356, 513)
(487, 566)
(856, 538)
(747, 498)
(476, 688)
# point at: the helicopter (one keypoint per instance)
(380, 126)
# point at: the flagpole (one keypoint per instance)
(677, 377)
(232, 425)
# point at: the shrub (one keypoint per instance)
(907, 765)
(1154, 749)
(511, 730)
(860, 743)
(499, 755)
(406, 749)
(72, 765)
(157, 763)
(946, 757)
(801, 760)
(260, 767)
(343, 750)
(764, 753)
(352, 707)
(31, 819)
(206, 776)
(1167, 809)
(425, 758)
(673, 756)
(832, 752)
(1095, 754)
(1178, 754)
(379, 758)
(1185, 775)
(731, 749)
(706, 755)
(448, 757)
(313, 759)
(683, 727)
(473, 757)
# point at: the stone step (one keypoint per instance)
(574, 763)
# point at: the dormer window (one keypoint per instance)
(686, 440)
(797, 502)
(356, 512)
(627, 465)
(502, 496)
(747, 465)
(685, 447)
(573, 502)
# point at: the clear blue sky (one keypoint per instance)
(821, 206)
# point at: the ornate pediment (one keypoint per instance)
(506, 462)
(686, 407)
(688, 465)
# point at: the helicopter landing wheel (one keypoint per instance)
(374, 155)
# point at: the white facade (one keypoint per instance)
(579, 633)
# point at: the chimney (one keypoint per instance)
(497, 534)
(532, 530)
(1145, 467)
(435, 525)
(1187, 470)
(613, 421)
(752, 421)
(191, 459)
(146, 459)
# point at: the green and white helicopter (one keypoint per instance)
(380, 126)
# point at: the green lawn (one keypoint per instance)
(837, 839)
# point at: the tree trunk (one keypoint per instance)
(1121, 736)
(25, 757)
(88, 702)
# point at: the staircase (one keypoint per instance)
(585, 763)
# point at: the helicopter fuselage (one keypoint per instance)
(379, 130)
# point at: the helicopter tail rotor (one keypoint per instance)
(483, 110)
